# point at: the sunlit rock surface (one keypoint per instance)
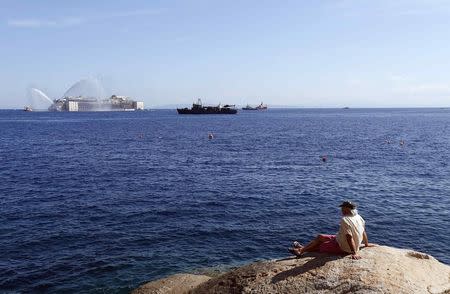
(382, 270)
(180, 283)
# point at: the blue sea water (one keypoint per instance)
(102, 202)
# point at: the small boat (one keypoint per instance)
(198, 108)
(248, 107)
(259, 107)
(27, 108)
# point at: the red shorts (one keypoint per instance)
(330, 245)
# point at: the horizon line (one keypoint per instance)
(279, 107)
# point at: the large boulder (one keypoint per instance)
(381, 270)
(176, 284)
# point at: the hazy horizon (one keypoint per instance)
(328, 54)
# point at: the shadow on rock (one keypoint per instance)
(318, 261)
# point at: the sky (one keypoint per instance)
(383, 53)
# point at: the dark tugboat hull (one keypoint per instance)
(198, 108)
(206, 111)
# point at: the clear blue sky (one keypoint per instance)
(303, 53)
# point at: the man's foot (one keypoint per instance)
(295, 251)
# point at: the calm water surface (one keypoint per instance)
(101, 202)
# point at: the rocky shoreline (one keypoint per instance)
(381, 270)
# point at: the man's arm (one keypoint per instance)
(366, 240)
(351, 244)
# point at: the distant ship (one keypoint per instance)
(259, 107)
(27, 108)
(114, 103)
(198, 108)
(248, 107)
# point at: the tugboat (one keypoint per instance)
(259, 107)
(248, 107)
(198, 108)
(28, 108)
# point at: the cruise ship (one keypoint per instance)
(114, 103)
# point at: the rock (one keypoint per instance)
(381, 270)
(176, 284)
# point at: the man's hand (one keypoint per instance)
(355, 256)
(371, 245)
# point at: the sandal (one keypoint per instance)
(294, 252)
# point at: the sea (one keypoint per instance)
(101, 202)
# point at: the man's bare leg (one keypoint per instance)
(312, 246)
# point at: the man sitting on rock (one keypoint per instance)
(347, 241)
